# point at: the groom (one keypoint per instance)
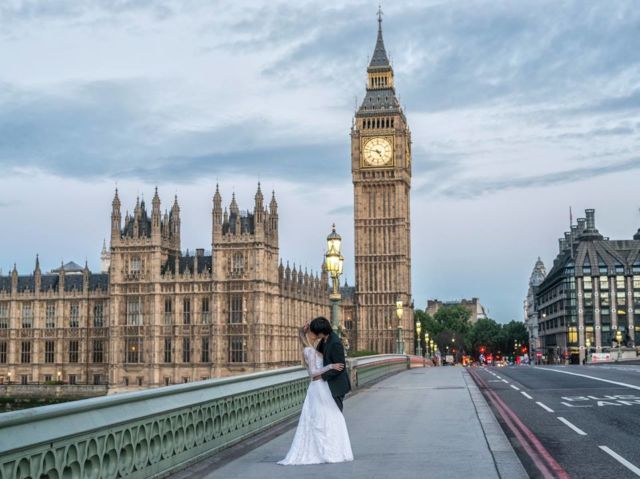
(332, 350)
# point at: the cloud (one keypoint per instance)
(469, 189)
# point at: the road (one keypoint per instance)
(569, 421)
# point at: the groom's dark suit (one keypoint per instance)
(333, 352)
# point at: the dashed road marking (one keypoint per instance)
(621, 460)
(617, 383)
(544, 406)
(515, 387)
(504, 381)
(572, 426)
(525, 395)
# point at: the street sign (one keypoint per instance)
(538, 355)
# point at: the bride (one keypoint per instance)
(322, 434)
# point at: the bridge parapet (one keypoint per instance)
(153, 432)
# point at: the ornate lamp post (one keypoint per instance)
(400, 343)
(419, 330)
(426, 344)
(334, 262)
(619, 341)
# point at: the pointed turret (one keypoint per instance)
(14, 279)
(381, 95)
(379, 57)
(37, 275)
(174, 220)
(105, 258)
(258, 209)
(217, 207)
(155, 214)
(233, 207)
(115, 217)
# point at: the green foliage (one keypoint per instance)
(452, 323)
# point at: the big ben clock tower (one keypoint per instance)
(381, 169)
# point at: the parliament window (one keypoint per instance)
(98, 351)
(98, 314)
(4, 315)
(167, 350)
(73, 351)
(204, 350)
(186, 311)
(186, 350)
(133, 352)
(3, 352)
(235, 309)
(168, 308)
(74, 316)
(25, 352)
(237, 349)
(27, 315)
(134, 311)
(50, 315)
(206, 313)
(49, 351)
(237, 267)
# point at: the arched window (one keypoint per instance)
(237, 266)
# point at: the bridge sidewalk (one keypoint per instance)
(430, 422)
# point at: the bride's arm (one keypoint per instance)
(310, 359)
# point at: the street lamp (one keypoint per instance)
(400, 343)
(9, 374)
(619, 340)
(334, 262)
(419, 330)
(426, 344)
(588, 344)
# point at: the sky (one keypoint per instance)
(518, 111)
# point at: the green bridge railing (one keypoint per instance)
(151, 433)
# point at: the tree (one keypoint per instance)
(512, 332)
(484, 333)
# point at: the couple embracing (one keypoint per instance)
(322, 434)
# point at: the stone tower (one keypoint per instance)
(245, 251)
(381, 171)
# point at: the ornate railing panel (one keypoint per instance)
(369, 369)
(150, 433)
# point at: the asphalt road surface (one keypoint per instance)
(569, 421)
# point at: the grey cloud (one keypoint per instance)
(105, 129)
(471, 188)
(341, 210)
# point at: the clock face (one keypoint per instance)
(378, 151)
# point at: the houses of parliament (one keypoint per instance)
(156, 315)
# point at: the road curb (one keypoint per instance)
(506, 461)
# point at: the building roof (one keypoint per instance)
(70, 267)
(379, 57)
(51, 282)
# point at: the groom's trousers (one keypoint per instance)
(338, 400)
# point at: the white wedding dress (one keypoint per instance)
(322, 434)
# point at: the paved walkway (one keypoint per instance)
(430, 422)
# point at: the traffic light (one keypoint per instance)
(482, 349)
(524, 349)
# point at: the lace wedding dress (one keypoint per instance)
(322, 434)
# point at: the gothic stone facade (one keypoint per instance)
(159, 316)
(381, 172)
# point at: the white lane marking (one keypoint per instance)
(504, 381)
(544, 406)
(525, 395)
(497, 376)
(621, 460)
(572, 426)
(515, 387)
(572, 405)
(617, 383)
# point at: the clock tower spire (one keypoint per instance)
(381, 173)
